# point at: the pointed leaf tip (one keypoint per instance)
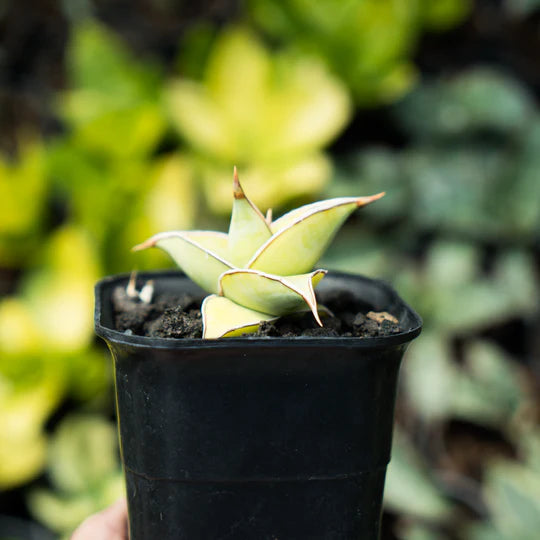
(248, 228)
(362, 201)
(151, 242)
(238, 192)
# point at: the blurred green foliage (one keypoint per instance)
(82, 465)
(46, 349)
(112, 107)
(512, 493)
(269, 114)
(367, 43)
(23, 198)
(466, 191)
(472, 169)
(409, 487)
(105, 170)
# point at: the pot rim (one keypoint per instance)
(120, 338)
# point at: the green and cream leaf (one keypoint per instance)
(200, 254)
(224, 318)
(302, 235)
(276, 295)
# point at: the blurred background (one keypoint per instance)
(119, 119)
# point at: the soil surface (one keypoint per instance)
(173, 316)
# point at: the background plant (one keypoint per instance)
(368, 43)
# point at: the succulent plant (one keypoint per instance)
(261, 269)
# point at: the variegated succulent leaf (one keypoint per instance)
(224, 318)
(261, 269)
(267, 293)
(304, 234)
(248, 229)
(200, 254)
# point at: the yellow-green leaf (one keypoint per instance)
(301, 236)
(58, 294)
(22, 191)
(308, 109)
(170, 203)
(82, 453)
(248, 229)
(23, 412)
(271, 294)
(223, 318)
(200, 254)
(238, 77)
(199, 119)
(271, 183)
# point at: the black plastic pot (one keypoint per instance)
(256, 438)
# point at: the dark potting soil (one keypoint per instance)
(179, 316)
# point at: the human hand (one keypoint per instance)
(109, 524)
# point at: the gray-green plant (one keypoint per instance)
(469, 176)
(472, 166)
(261, 269)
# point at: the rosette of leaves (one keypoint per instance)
(261, 269)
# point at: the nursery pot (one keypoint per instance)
(256, 438)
